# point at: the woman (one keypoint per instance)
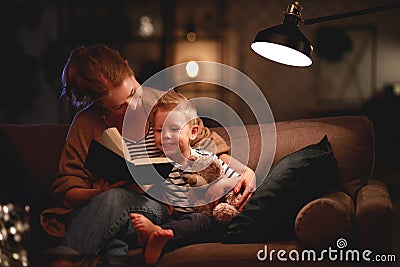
(93, 216)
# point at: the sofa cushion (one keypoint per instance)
(338, 207)
(294, 181)
(345, 132)
(38, 148)
(355, 132)
(31, 159)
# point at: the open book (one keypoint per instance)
(106, 160)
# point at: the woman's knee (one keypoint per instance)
(123, 200)
(117, 197)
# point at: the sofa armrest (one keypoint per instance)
(324, 220)
(374, 217)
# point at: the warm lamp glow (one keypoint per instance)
(191, 36)
(281, 54)
(192, 69)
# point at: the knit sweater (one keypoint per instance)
(89, 124)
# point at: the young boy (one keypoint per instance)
(174, 121)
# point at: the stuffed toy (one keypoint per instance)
(206, 170)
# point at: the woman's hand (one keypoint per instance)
(133, 186)
(108, 186)
(247, 183)
(78, 197)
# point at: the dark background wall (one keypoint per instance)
(355, 66)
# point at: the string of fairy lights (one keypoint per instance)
(14, 235)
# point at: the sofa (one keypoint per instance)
(359, 213)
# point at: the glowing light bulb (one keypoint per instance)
(192, 69)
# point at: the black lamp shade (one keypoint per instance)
(284, 44)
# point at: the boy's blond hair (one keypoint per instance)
(171, 100)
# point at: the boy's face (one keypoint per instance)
(173, 133)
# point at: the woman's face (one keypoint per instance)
(127, 95)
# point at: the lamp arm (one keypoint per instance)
(349, 14)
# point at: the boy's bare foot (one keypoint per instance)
(144, 227)
(155, 245)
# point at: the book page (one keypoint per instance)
(112, 139)
(157, 160)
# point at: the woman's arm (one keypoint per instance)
(247, 183)
(72, 180)
(77, 197)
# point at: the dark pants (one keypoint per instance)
(103, 226)
(188, 228)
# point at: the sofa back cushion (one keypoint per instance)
(29, 160)
(39, 146)
(352, 139)
(36, 148)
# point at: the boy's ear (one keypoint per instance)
(194, 131)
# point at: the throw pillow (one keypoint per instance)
(291, 183)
